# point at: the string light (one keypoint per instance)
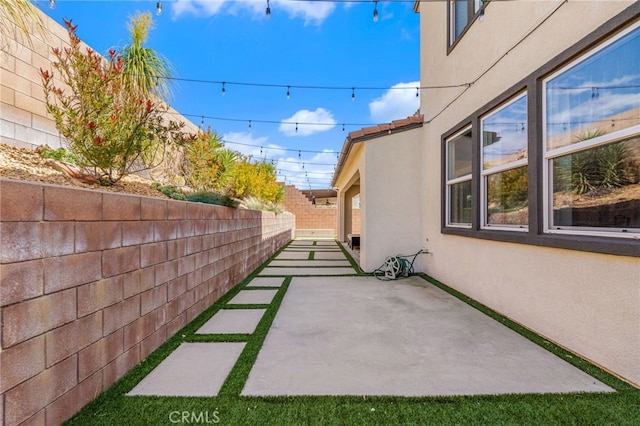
(375, 11)
(353, 93)
(268, 11)
(159, 8)
(288, 92)
(315, 87)
(249, 123)
(223, 89)
(52, 4)
(417, 92)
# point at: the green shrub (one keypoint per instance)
(59, 154)
(170, 191)
(208, 165)
(212, 198)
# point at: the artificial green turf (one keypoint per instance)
(113, 407)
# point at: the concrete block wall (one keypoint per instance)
(92, 282)
(309, 216)
(24, 120)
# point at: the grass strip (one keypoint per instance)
(351, 260)
(240, 372)
(249, 306)
(218, 338)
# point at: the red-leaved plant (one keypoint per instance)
(112, 130)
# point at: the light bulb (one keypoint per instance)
(268, 11)
(52, 4)
(159, 8)
(375, 15)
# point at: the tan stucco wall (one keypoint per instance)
(350, 173)
(588, 303)
(389, 196)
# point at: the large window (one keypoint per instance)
(459, 154)
(461, 15)
(592, 141)
(555, 160)
(504, 174)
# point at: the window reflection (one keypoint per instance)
(601, 93)
(507, 197)
(598, 187)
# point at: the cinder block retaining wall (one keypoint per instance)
(309, 216)
(92, 282)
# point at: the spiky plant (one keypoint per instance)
(19, 17)
(145, 70)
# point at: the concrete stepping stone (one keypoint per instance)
(278, 271)
(293, 255)
(326, 255)
(307, 263)
(233, 321)
(327, 243)
(193, 369)
(253, 297)
(266, 282)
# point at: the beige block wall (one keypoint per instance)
(583, 301)
(92, 282)
(24, 120)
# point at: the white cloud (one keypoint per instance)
(313, 12)
(198, 8)
(321, 116)
(247, 144)
(398, 102)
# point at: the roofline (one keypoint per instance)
(349, 142)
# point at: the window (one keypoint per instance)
(461, 15)
(591, 146)
(504, 174)
(459, 155)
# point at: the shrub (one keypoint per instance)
(170, 191)
(257, 180)
(207, 164)
(112, 131)
(212, 198)
(59, 154)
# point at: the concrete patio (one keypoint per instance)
(356, 335)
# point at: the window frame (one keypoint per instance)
(484, 174)
(532, 84)
(607, 139)
(473, 12)
(457, 180)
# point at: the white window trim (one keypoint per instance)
(549, 155)
(497, 169)
(454, 181)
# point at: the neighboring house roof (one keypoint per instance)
(374, 132)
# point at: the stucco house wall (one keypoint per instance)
(389, 196)
(587, 302)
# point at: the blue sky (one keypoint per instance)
(304, 43)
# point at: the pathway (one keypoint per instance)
(337, 333)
